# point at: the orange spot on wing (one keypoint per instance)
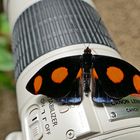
(37, 83)
(79, 73)
(136, 82)
(115, 74)
(59, 75)
(94, 73)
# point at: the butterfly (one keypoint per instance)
(68, 79)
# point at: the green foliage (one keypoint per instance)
(4, 26)
(6, 60)
(6, 63)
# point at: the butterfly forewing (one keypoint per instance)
(117, 77)
(57, 79)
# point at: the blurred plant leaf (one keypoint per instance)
(4, 25)
(3, 42)
(6, 61)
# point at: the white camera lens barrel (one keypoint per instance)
(48, 25)
(45, 30)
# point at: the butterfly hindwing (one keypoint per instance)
(74, 96)
(98, 93)
(117, 77)
(57, 79)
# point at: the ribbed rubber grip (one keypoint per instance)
(51, 24)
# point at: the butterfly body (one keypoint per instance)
(86, 62)
(68, 79)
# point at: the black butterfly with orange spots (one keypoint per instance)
(68, 79)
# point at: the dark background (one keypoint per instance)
(122, 18)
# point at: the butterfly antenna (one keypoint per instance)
(86, 46)
(94, 51)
